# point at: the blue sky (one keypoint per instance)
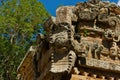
(51, 5)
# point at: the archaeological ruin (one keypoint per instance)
(81, 43)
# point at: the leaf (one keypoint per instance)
(19, 18)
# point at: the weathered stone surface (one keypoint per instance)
(66, 14)
(83, 40)
(100, 64)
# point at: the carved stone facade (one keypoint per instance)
(81, 43)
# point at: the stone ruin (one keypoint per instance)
(81, 43)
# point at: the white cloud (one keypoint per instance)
(118, 3)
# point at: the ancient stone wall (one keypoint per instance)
(81, 43)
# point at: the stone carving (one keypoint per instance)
(79, 38)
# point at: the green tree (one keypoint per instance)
(19, 21)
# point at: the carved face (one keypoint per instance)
(80, 48)
(59, 35)
(83, 47)
(59, 39)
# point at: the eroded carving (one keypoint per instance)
(86, 35)
(89, 30)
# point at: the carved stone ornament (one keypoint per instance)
(81, 43)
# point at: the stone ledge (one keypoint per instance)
(81, 77)
(95, 63)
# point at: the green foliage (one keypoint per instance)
(86, 33)
(19, 21)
